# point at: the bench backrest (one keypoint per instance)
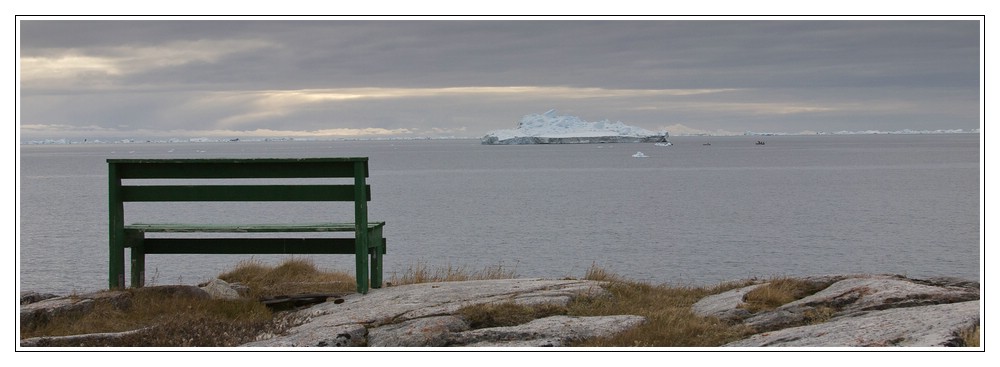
(351, 167)
(120, 169)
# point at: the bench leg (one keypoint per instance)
(138, 255)
(116, 258)
(361, 263)
(116, 233)
(375, 238)
(116, 265)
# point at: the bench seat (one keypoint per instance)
(136, 240)
(247, 228)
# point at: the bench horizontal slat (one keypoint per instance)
(257, 246)
(163, 193)
(237, 168)
(246, 228)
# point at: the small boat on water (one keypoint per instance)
(639, 155)
(707, 144)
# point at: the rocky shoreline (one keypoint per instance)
(851, 311)
(859, 311)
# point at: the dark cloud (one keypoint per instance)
(790, 75)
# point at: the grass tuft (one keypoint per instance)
(174, 319)
(778, 292)
(292, 276)
(819, 314)
(670, 321)
(506, 314)
(420, 273)
(600, 274)
(183, 319)
(969, 337)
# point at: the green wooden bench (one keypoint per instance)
(367, 244)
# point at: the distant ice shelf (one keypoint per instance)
(551, 128)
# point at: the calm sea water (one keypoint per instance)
(689, 214)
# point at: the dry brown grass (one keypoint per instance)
(670, 322)
(820, 314)
(184, 320)
(174, 320)
(778, 292)
(601, 274)
(420, 273)
(970, 337)
(292, 276)
(507, 314)
(179, 320)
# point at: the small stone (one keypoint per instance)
(219, 289)
(32, 297)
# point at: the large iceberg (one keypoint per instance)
(550, 128)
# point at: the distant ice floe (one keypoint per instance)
(639, 155)
(551, 128)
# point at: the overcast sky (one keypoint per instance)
(364, 77)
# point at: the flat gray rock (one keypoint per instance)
(38, 313)
(858, 310)
(421, 315)
(553, 331)
(724, 305)
(318, 335)
(433, 331)
(395, 304)
(860, 294)
(923, 326)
